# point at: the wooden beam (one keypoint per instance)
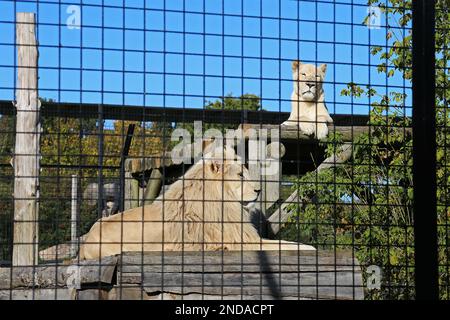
(171, 113)
(267, 182)
(271, 274)
(27, 147)
(274, 274)
(349, 133)
(131, 193)
(153, 186)
(235, 261)
(279, 217)
(56, 275)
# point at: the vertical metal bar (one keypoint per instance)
(100, 160)
(424, 151)
(74, 217)
(125, 151)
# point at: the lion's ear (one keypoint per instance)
(207, 145)
(215, 166)
(323, 68)
(295, 65)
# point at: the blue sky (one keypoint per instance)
(174, 59)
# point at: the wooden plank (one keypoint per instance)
(199, 296)
(234, 261)
(58, 275)
(291, 257)
(172, 113)
(38, 294)
(131, 276)
(92, 294)
(308, 275)
(281, 215)
(139, 164)
(324, 275)
(348, 132)
(27, 146)
(130, 293)
(233, 268)
(94, 271)
(324, 285)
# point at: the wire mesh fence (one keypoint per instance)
(223, 149)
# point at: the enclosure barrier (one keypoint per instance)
(408, 250)
(192, 275)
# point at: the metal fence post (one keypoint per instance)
(74, 217)
(424, 150)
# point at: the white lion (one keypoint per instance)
(204, 210)
(309, 112)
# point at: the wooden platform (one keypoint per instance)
(287, 134)
(145, 176)
(192, 275)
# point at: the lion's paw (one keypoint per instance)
(322, 131)
(289, 123)
(219, 248)
(307, 128)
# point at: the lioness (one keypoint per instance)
(204, 210)
(308, 100)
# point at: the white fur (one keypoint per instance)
(201, 211)
(308, 111)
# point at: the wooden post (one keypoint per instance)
(131, 192)
(270, 182)
(74, 217)
(282, 214)
(153, 186)
(27, 147)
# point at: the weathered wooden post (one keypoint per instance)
(282, 214)
(153, 187)
(131, 193)
(266, 168)
(27, 147)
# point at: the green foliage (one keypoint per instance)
(245, 102)
(366, 203)
(6, 186)
(6, 138)
(6, 205)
